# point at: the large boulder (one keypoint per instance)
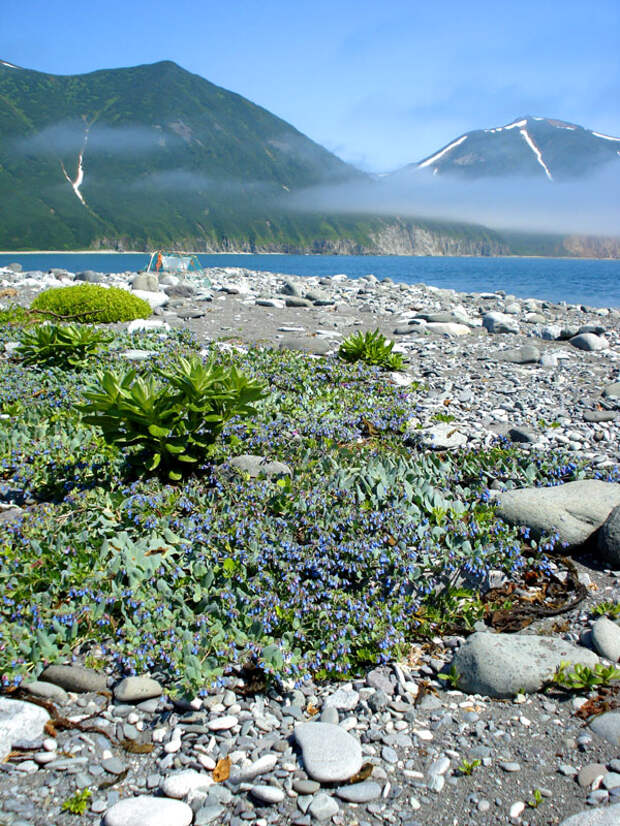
(575, 510)
(609, 816)
(504, 665)
(609, 538)
(496, 322)
(21, 724)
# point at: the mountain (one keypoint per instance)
(529, 146)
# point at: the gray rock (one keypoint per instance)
(46, 691)
(551, 332)
(290, 288)
(323, 807)
(74, 678)
(362, 792)
(503, 665)
(316, 346)
(523, 435)
(575, 509)
(606, 638)
(208, 814)
(609, 538)
(20, 723)
(255, 465)
(90, 277)
(496, 322)
(590, 773)
(136, 689)
(442, 436)
(343, 699)
(293, 301)
(148, 811)
(330, 754)
(182, 290)
(180, 784)
(607, 726)
(589, 342)
(451, 329)
(267, 794)
(382, 679)
(113, 765)
(146, 281)
(306, 786)
(599, 415)
(527, 354)
(612, 391)
(595, 817)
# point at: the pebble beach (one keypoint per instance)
(399, 744)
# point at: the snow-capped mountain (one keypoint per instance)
(529, 146)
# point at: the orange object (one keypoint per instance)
(159, 262)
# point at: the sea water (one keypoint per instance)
(595, 283)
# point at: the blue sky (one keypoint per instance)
(381, 84)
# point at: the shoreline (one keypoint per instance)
(313, 255)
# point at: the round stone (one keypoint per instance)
(267, 794)
(222, 723)
(360, 792)
(136, 689)
(148, 811)
(20, 723)
(180, 784)
(330, 754)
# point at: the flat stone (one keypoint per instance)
(74, 678)
(609, 538)
(148, 811)
(180, 784)
(267, 794)
(306, 786)
(575, 509)
(589, 342)
(443, 436)
(362, 792)
(452, 329)
(599, 415)
(153, 299)
(21, 723)
(46, 691)
(606, 638)
(139, 324)
(523, 435)
(294, 301)
(607, 726)
(612, 391)
(343, 699)
(136, 689)
(208, 814)
(611, 780)
(323, 807)
(317, 346)
(223, 723)
(504, 665)
(590, 774)
(330, 754)
(113, 765)
(263, 765)
(609, 816)
(148, 281)
(527, 354)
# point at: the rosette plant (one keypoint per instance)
(371, 348)
(174, 424)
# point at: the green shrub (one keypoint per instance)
(371, 348)
(175, 424)
(92, 302)
(14, 315)
(63, 345)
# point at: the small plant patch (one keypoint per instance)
(77, 803)
(174, 424)
(66, 345)
(584, 678)
(467, 767)
(91, 302)
(372, 348)
(606, 609)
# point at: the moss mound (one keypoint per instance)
(107, 304)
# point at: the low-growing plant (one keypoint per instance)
(606, 609)
(443, 417)
(77, 803)
(452, 676)
(62, 345)
(15, 316)
(372, 348)
(537, 799)
(467, 767)
(176, 423)
(584, 678)
(91, 302)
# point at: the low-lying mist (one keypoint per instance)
(590, 206)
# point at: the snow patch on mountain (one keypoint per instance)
(528, 139)
(436, 157)
(605, 137)
(10, 65)
(79, 178)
